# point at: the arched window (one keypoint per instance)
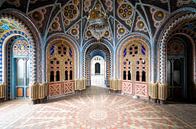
(129, 75)
(51, 76)
(66, 75)
(70, 75)
(60, 60)
(134, 67)
(124, 75)
(57, 76)
(97, 68)
(134, 63)
(21, 65)
(137, 76)
(143, 76)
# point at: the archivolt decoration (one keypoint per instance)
(10, 26)
(163, 40)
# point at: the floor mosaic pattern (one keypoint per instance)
(91, 111)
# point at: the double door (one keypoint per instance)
(20, 75)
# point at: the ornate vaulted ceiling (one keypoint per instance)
(71, 16)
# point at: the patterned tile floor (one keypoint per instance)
(96, 108)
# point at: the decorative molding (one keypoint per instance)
(163, 40)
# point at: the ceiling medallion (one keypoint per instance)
(97, 22)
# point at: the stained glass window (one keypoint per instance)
(52, 50)
(125, 52)
(143, 50)
(60, 61)
(21, 47)
(134, 65)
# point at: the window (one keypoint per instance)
(137, 76)
(129, 75)
(135, 64)
(124, 75)
(20, 72)
(51, 76)
(97, 68)
(66, 75)
(143, 76)
(70, 75)
(61, 61)
(57, 76)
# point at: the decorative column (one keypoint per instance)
(43, 92)
(39, 93)
(115, 84)
(80, 84)
(34, 92)
(153, 92)
(162, 92)
(162, 86)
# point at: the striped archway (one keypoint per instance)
(11, 28)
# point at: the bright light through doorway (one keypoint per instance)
(98, 71)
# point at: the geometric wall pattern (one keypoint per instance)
(153, 20)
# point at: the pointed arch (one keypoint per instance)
(178, 18)
(18, 24)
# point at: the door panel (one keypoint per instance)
(176, 77)
(20, 92)
(135, 68)
(22, 79)
(60, 68)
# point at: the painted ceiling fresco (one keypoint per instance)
(71, 16)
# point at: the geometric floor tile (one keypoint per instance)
(89, 111)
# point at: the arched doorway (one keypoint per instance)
(134, 65)
(98, 71)
(177, 71)
(98, 49)
(60, 61)
(18, 67)
(20, 54)
(179, 67)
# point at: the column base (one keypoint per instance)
(162, 92)
(115, 85)
(153, 91)
(80, 84)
